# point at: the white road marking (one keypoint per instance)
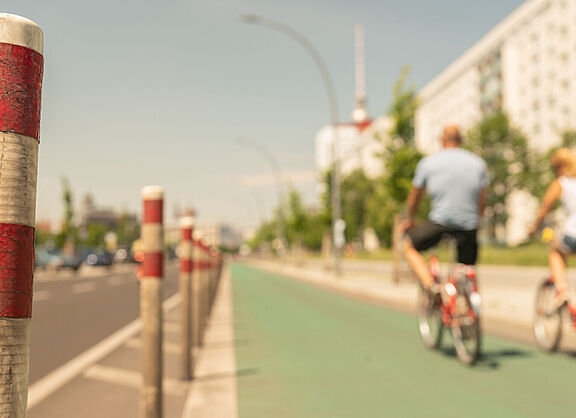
(83, 287)
(132, 378)
(40, 295)
(59, 377)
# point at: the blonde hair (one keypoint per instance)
(566, 159)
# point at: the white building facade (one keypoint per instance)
(525, 66)
(359, 146)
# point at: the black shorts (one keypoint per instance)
(427, 234)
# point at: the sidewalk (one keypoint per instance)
(105, 380)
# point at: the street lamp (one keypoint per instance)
(278, 179)
(337, 222)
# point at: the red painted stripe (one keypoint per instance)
(153, 265)
(201, 265)
(186, 234)
(153, 211)
(185, 265)
(21, 71)
(16, 270)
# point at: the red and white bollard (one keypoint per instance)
(185, 255)
(21, 68)
(196, 293)
(151, 296)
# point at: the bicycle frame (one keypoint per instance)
(570, 307)
(457, 308)
(460, 275)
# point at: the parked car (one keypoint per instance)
(98, 258)
(41, 258)
(51, 258)
(123, 255)
(61, 261)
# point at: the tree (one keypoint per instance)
(296, 220)
(402, 110)
(399, 159)
(356, 190)
(68, 234)
(511, 164)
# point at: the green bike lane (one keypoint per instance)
(303, 351)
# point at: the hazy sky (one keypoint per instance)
(142, 92)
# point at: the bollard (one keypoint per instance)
(185, 254)
(205, 304)
(195, 294)
(151, 295)
(21, 68)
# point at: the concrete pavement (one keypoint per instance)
(105, 380)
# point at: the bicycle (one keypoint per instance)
(548, 318)
(457, 308)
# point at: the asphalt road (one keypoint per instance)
(304, 351)
(72, 312)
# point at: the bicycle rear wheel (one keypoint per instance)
(466, 329)
(547, 319)
(430, 319)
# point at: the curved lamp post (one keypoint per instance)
(257, 146)
(337, 222)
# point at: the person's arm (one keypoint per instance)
(412, 203)
(552, 195)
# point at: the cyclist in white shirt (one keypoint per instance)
(563, 188)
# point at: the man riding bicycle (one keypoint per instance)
(456, 181)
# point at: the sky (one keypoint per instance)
(138, 92)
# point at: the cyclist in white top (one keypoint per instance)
(563, 188)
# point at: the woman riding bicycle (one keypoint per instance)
(563, 188)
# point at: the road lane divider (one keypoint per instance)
(59, 377)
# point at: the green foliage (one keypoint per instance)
(403, 108)
(511, 164)
(95, 235)
(400, 167)
(127, 230)
(399, 159)
(356, 190)
(69, 231)
(43, 237)
(296, 220)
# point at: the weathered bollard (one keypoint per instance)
(185, 255)
(151, 295)
(21, 68)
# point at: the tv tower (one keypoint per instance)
(360, 115)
